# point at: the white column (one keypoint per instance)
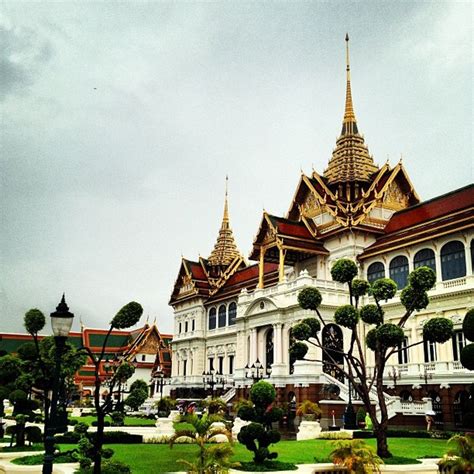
(277, 346)
(467, 256)
(253, 346)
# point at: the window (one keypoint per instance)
(399, 271)
(429, 349)
(453, 262)
(211, 363)
(231, 364)
(375, 271)
(232, 313)
(459, 342)
(186, 326)
(185, 363)
(425, 258)
(221, 365)
(222, 315)
(212, 318)
(193, 325)
(403, 354)
(143, 358)
(180, 327)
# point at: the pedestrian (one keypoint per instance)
(429, 421)
(368, 422)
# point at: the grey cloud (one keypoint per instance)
(23, 54)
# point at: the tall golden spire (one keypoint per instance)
(350, 161)
(349, 116)
(225, 250)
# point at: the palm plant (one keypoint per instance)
(460, 458)
(356, 456)
(212, 459)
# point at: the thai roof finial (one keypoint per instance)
(225, 249)
(349, 115)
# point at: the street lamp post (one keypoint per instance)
(208, 378)
(61, 322)
(349, 413)
(257, 371)
(395, 375)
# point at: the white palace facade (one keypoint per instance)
(229, 314)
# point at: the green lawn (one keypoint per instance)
(129, 420)
(147, 458)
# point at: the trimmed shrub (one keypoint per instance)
(414, 299)
(33, 434)
(390, 335)
(371, 339)
(314, 324)
(301, 331)
(468, 325)
(119, 437)
(346, 316)
(298, 350)
(360, 287)
(467, 356)
(344, 270)
(371, 314)
(106, 423)
(309, 298)
(34, 321)
(422, 278)
(127, 316)
(262, 393)
(383, 289)
(438, 330)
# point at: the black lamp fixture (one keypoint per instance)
(61, 322)
(257, 371)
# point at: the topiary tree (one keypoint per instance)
(259, 435)
(383, 339)
(126, 317)
(467, 352)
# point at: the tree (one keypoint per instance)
(126, 317)
(356, 456)
(461, 457)
(384, 339)
(467, 352)
(259, 435)
(211, 459)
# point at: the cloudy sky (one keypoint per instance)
(120, 121)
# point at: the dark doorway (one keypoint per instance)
(333, 359)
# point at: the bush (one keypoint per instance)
(438, 330)
(118, 437)
(390, 335)
(33, 434)
(267, 466)
(422, 278)
(67, 438)
(301, 331)
(298, 350)
(262, 393)
(412, 298)
(344, 270)
(383, 289)
(371, 314)
(360, 287)
(71, 422)
(363, 434)
(309, 298)
(34, 321)
(360, 415)
(117, 418)
(468, 325)
(314, 325)
(127, 316)
(335, 435)
(106, 423)
(467, 356)
(346, 316)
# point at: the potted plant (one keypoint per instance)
(309, 411)
(360, 418)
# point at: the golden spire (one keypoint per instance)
(350, 159)
(349, 115)
(225, 249)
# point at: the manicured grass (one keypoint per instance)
(148, 458)
(129, 420)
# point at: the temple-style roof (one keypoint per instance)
(350, 160)
(225, 249)
(294, 237)
(434, 218)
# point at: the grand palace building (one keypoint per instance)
(230, 315)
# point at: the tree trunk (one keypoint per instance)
(382, 445)
(99, 441)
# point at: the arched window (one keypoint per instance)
(232, 313)
(333, 358)
(269, 348)
(212, 318)
(453, 261)
(425, 258)
(375, 271)
(399, 271)
(222, 315)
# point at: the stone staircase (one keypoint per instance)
(394, 405)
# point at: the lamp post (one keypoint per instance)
(208, 378)
(395, 375)
(160, 376)
(349, 413)
(61, 322)
(257, 371)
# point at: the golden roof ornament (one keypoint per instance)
(350, 159)
(225, 249)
